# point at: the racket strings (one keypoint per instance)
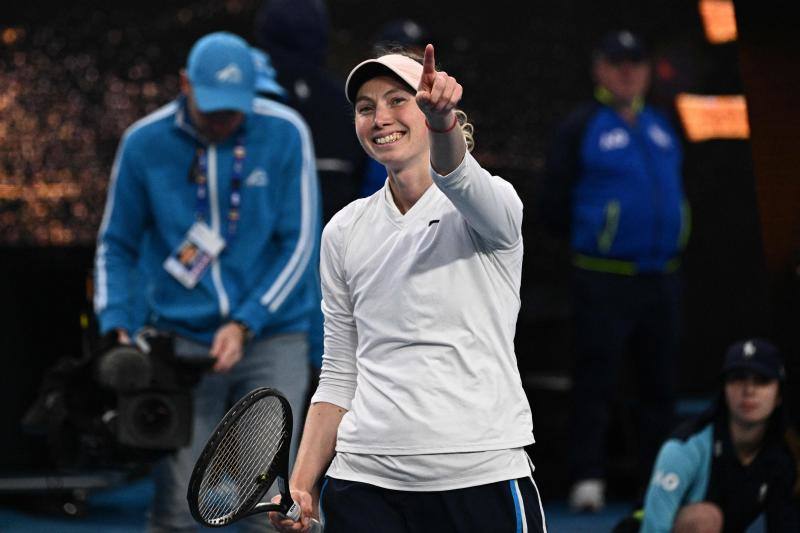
(240, 466)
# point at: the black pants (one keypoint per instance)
(615, 315)
(504, 507)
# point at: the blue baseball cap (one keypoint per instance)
(756, 355)
(266, 78)
(222, 73)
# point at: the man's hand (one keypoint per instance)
(437, 94)
(227, 347)
(286, 525)
(123, 337)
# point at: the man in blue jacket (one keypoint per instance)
(214, 200)
(614, 187)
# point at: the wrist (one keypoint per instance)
(446, 129)
(301, 486)
(247, 333)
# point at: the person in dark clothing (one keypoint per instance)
(295, 34)
(720, 471)
(614, 188)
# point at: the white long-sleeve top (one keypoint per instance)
(420, 314)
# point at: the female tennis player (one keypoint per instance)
(420, 416)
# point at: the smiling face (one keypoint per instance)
(751, 398)
(389, 125)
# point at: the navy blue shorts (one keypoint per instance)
(510, 506)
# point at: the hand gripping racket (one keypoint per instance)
(247, 452)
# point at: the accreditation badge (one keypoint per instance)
(189, 261)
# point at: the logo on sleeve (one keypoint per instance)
(668, 481)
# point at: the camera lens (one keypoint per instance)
(153, 416)
(155, 419)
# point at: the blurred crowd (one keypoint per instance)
(69, 92)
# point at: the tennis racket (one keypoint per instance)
(247, 452)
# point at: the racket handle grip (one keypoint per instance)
(293, 512)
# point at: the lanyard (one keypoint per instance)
(201, 179)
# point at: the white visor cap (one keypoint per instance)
(398, 65)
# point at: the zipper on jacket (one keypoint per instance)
(641, 139)
(213, 201)
(606, 238)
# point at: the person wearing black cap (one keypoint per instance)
(402, 32)
(613, 189)
(420, 421)
(723, 470)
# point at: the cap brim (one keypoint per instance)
(270, 87)
(399, 66)
(210, 99)
(624, 55)
(755, 367)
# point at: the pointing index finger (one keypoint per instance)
(428, 62)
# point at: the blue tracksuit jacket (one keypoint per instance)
(264, 277)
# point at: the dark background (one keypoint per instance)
(81, 74)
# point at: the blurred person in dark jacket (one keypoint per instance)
(295, 35)
(614, 189)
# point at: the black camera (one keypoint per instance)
(153, 393)
(119, 404)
